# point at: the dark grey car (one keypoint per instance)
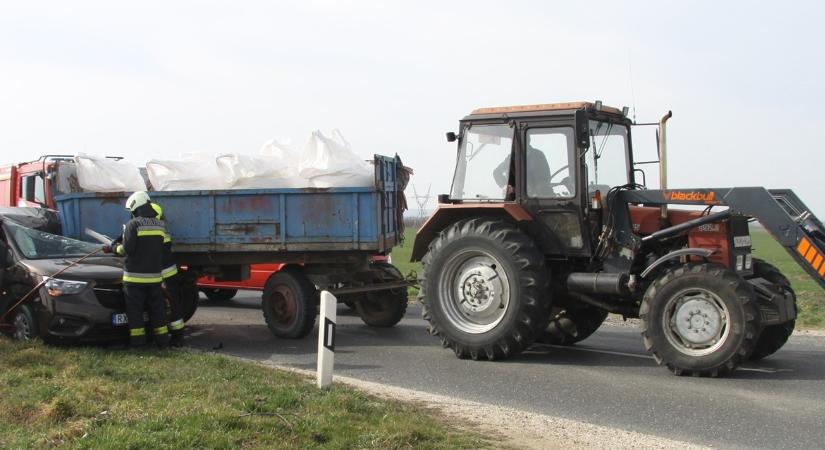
(84, 302)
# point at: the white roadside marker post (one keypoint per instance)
(326, 339)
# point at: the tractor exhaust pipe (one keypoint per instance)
(663, 158)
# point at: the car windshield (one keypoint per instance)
(36, 244)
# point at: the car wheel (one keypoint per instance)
(25, 324)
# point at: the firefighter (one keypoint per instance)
(171, 284)
(142, 245)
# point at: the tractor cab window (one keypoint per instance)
(549, 152)
(483, 167)
(607, 157)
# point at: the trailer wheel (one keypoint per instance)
(772, 337)
(570, 325)
(189, 296)
(25, 324)
(383, 308)
(219, 295)
(290, 303)
(483, 289)
(699, 319)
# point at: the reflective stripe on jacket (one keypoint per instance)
(143, 247)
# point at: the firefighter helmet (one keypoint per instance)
(137, 200)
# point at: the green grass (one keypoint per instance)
(90, 398)
(401, 258)
(810, 296)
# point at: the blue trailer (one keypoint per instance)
(327, 236)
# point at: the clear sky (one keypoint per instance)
(155, 79)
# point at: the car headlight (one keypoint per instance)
(57, 287)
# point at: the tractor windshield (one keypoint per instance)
(607, 156)
(483, 167)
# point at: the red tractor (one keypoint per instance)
(547, 229)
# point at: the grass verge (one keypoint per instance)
(809, 295)
(98, 398)
(401, 258)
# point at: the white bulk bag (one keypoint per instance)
(192, 172)
(258, 172)
(330, 162)
(100, 174)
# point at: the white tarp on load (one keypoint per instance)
(100, 174)
(323, 162)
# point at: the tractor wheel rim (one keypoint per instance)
(22, 328)
(696, 322)
(475, 291)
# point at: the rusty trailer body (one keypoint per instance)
(326, 237)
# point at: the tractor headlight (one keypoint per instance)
(740, 260)
(57, 287)
(748, 261)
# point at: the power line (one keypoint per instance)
(422, 201)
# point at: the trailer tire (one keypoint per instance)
(772, 337)
(189, 296)
(383, 308)
(570, 325)
(219, 294)
(484, 289)
(699, 319)
(290, 303)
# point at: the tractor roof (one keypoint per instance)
(545, 107)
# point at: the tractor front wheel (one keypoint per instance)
(699, 319)
(483, 289)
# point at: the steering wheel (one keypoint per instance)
(556, 173)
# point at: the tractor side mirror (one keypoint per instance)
(582, 129)
(451, 136)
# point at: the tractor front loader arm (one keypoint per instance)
(780, 211)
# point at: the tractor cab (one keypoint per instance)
(554, 162)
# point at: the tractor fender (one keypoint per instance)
(447, 214)
(703, 252)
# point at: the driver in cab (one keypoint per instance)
(538, 174)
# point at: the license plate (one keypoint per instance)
(119, 319)
(123, 319)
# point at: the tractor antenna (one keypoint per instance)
(632, 92)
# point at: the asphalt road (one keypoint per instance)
(606, 380)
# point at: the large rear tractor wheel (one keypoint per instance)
(570, 325)
(699, 319)
(290, 303)
(772, 337)
(483, 289)
(383, 308)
